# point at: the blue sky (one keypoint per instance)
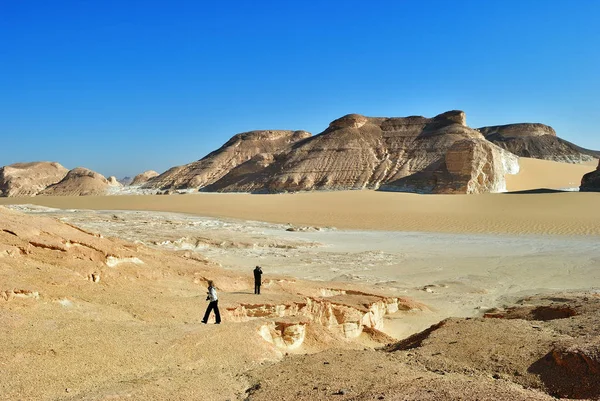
(125, 86)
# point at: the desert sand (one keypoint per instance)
(102, 297)
(534, 213)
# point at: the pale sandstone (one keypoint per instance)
(113, 182)
(239, 149)
(142, 178)
(79, 182)
(358, 152)
(28, 179)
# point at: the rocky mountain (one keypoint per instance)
(143, 177)
(415, 154)
(79, 182)
(537, 141)
(125, 181)
(239, 149)
(591, 181)
(28, 179)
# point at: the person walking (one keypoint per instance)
(213, 304)
(257, 279)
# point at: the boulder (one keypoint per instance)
(591, 181)
(28, 179)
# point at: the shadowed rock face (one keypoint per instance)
(28, 179)
(79, 182)
(591, 181)
(239, 149)
(398, 154)
(537, 141)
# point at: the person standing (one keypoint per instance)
(213, 304)
(257, 279)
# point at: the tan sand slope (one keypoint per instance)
(570, 213)
(536, 173)
(88, 317)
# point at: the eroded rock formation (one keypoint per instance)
(144, 177)
(398, 154)
(537, 141)
(518, 357)
(591, 181)
(112, 181)
(239, 149)
(28, 179)
(79, 182)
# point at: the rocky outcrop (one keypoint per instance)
(591, 181)
(28, 179)
(476, 166)
(397, 154)
(239, 149)
(144, 177)
(113, 182)
(79, 182)
(537, 141)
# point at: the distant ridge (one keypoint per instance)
(409, 154)
(537, 141)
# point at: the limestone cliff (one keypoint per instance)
(591, 181)
(79, 182)
(357, 152)
(537, 141)
(239, 149)
(28, 179)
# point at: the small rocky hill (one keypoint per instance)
(239, 149)
(28, 179)
(537, 141)
(591, 181)
(79, 182)
(143, 177)
(415, 154)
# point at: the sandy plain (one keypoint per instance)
(137, 335)
(532, 206)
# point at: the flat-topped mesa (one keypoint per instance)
(237, 150)
(537, 141)
(79, 182)
(517, 130)
(29, 179)
(591, 181)
(358, 152)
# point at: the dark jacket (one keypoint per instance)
(257, 275)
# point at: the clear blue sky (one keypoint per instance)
(125, 86)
